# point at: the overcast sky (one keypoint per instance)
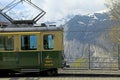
(57, 9)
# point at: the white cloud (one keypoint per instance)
(57, 9)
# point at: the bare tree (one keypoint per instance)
(114, 12)
(114, 34)
(114, 9)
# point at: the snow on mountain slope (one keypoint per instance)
(60, 21)
(89, 35)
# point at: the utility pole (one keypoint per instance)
(118, 57)
(89, 55)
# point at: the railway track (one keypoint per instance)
(70, 73)
(61, 75)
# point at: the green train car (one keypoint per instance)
(31, 49)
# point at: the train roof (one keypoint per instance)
(30, 29)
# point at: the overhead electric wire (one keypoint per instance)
(107, 29)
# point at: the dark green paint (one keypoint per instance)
(29, 60)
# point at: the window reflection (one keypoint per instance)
(6, 42)
(48, 42)
(28, 42)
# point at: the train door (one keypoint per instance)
(52, 49)
(28, 56)
(47, 50)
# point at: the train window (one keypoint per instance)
(6, 42)
(48, 42)
(28, 42)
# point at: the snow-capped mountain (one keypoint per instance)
(60, 21)
(87, 23)
(89, 35)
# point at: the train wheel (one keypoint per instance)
(11, 74)
(52, 72)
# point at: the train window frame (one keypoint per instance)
(7, 43)
(48, 42)
(27, 39)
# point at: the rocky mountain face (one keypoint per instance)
(89, 36)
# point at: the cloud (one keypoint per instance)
(57, 9)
